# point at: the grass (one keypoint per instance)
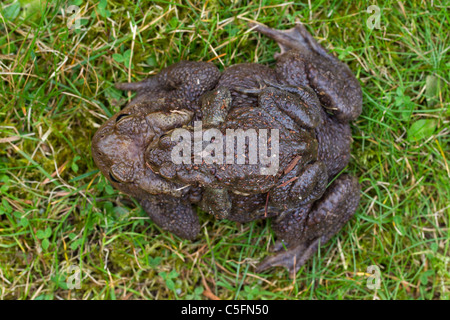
(58, 211)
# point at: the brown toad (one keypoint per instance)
(310, 97)
(118, 145)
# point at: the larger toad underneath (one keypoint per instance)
(309, 98)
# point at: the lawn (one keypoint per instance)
(65, 233)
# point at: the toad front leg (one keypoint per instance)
(307, 227)
(215, 107)
(175, 215)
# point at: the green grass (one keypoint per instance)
(57, 209)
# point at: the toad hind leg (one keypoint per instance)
(297, 38)
(304, 62)
(308, 227)
(309, 186)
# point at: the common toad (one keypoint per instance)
(310, 97)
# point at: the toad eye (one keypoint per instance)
(165, 136)
(122, 116)
(113, 177)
